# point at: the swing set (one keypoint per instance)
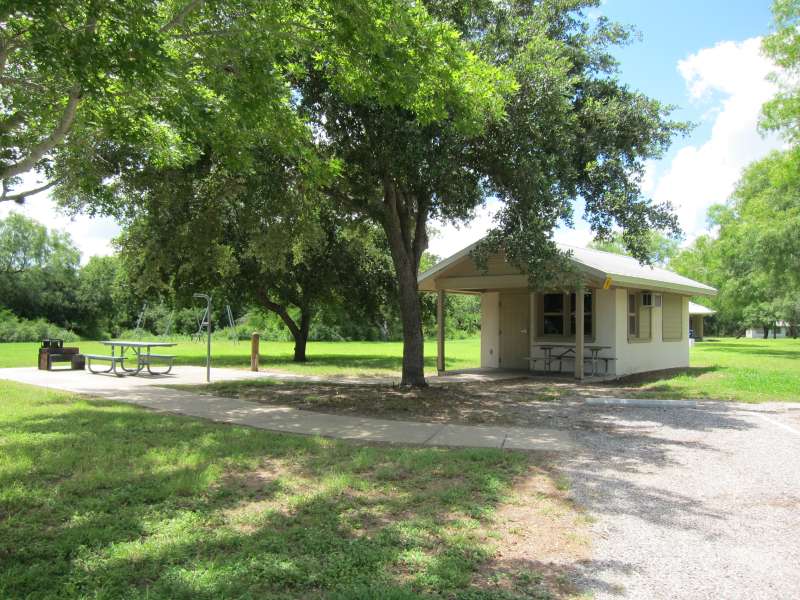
(202, 323)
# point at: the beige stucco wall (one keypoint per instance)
(490, 329)
(652, 355)
(611, 329)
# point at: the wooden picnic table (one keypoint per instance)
(569, 352)
(142, 351)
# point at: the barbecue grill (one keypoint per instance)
(52, 351)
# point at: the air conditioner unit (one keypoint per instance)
(649, 300)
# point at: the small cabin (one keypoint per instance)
(622, 318)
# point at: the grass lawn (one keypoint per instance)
(722, 368)
(341, 358)
(729, 369)
(105, 500)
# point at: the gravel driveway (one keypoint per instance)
(691, 503)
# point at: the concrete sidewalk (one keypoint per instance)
(146, 391)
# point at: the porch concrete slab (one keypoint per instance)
(479, 374)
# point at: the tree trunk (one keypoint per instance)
(404, 220)
(766, 332)
(301, 339)
(299, 332)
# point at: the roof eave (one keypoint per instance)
(658, 285)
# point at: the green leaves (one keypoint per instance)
(782, 113)
(753, 259)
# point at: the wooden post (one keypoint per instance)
(440, 332)
(579, 332)
(254, 352)
(698, 335)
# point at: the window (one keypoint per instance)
(553, 314)
(556, 315)
(633, 317)
(640, 316)
(587, 313)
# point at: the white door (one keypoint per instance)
(514, 327)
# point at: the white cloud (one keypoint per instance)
(91, 236)
(732, 78)
(449, 238)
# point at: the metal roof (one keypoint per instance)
(624, 271)
(699, 309)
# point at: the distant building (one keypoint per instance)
(697, 314)
(779, 330)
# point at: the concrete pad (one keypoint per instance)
(469, 436)
(525, 438)
(641, 402)
(384, 430)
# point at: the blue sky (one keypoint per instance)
(702, 56)
(670, 31)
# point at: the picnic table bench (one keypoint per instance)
(568, 353)
(141, 354)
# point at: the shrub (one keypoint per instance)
(15, 329)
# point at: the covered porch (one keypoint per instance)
(697, 315)
(525, 334)
(619, 317)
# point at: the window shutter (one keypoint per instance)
(672, 318)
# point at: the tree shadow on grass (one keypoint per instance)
(112, 501)
(105, 500)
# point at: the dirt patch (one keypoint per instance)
(521, 402)
(539, 537)
(260, 492)
(532, 536)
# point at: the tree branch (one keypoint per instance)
(19, 197)
(421, 232)
(56, 137)
(181, 15)
(21, 82)
(279, 310)
(12, 122)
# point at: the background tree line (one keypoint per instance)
(46, 292)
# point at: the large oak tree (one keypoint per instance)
(265, 237)
(568, 130)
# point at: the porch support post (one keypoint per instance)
(699, 333)
(440, 332)
(579, 332)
